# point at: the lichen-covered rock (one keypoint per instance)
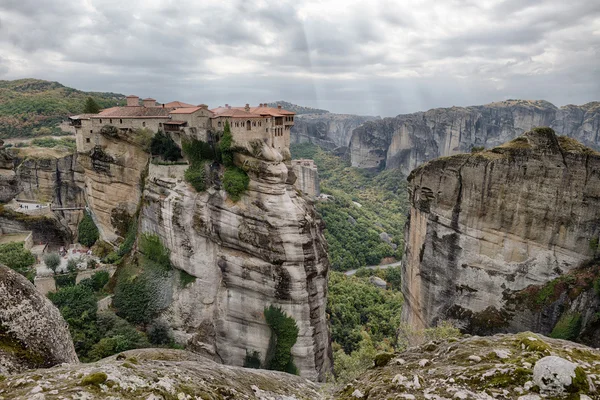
(555, 375)
(486, 225)
(453, 374)
(406, 141)
(266, 249)
(33, 334)
(156, 374)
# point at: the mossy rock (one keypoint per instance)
(94, 379)
(382, 359)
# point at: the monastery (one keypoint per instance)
(186, 121)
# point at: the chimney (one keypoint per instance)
(133, 101)
(279, 106)
(226, 106)
(247, 108)
(149, 102)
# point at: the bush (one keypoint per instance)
(65, 280)
(163, 145)
(235, 182)
(159, 333)
(87, 231)
(97, 282)
(17, 257)
(129, 241)
(197, 151)
(284, 333)
(51, 142)
(152, 248)
(195, 175)
(225, 146)
(252, 360)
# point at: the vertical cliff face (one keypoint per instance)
(113, 176)
(327, 130)
(407, 141)
(266, 249)
(484, 226)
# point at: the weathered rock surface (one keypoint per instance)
(33, 334)
(409, 140)
(483, 368)
(327, 130)
(484, 226)
(266, 249)
(153, 374)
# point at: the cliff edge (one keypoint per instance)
(484, 226)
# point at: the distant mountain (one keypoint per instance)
(31, 107)
(297, 109)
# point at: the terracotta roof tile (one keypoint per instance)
(179, 104)
(134, 112)
(186, 110)
(236, 112)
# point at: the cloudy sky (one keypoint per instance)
(379, 57)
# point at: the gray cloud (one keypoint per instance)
(388, 58)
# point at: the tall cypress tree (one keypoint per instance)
(91, 107)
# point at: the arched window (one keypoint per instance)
(110, 121)
(248, 125)
(144, 124)
(120, 121)
(100, 121)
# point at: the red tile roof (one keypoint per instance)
(179, 104)
(134, 112)
(186, 110)
(253, 112)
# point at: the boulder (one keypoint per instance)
(33, 334)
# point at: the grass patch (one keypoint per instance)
(95, 379)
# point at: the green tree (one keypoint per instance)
(235, 182)
(163, 145)
(91, 107)
(284, 336)
(52, 261)
(225, 146)
(17, 257)
(87, 231)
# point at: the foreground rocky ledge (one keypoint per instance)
(525, 366)
(153, 374)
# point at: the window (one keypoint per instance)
(120, 121)
(144, 124)
(219, 124)
(110, 121)
(87, 140)
(91, 131)
(100, 121)
(248, 125)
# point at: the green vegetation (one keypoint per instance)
(138, 291)
(567, 327)
(95, 379)
(477, 149)
(32, 107)
(225, 146)
(352, 230)
(91, 107)
(95, 335)
(18, 258)
(391, 275)
(356, 307)
(164, 146)
(284, 333)
(252, 360)
(52, 261)
(185, 278)
(198, 154)
(97, 282)
(235, 182)
(195, 175)
(51, 142)
(87, 232)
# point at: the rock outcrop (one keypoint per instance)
(409, 140)
(153, 374)
(524, 366)
(328, 130)
(266, 249)
(487, 225)
(307, 177)
(33, 334)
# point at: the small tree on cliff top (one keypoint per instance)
(91, 107)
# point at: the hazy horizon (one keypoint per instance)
(384, 59)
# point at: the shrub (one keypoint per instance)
(159, 333)
(235, 182)
(95, 379)
(477, 149)
(163, 145)
(109, 130)
(97, 281)
(52, 261)
(129, 241)
(185, 278)
(567, 327)
(225, 146)
(195, 175)
(152, 248)
(87, 231)
(65, 280)
(17, 257)
(197, 151)
(284, 333)
(252, 360)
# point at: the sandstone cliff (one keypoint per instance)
(153, 374)
(407, 141)
(33, 334)
(266, 249)
(330, 131)
(484, 226)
